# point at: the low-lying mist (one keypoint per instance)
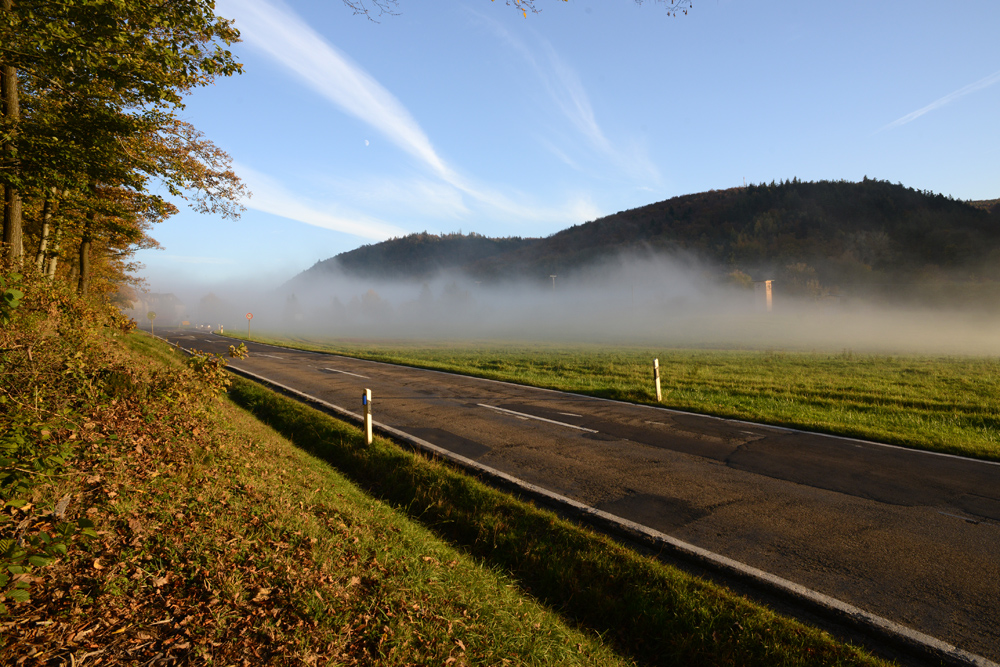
(632, 300)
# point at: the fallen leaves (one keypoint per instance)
(192, 565)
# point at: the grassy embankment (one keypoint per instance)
(946, 404)
(217, 540)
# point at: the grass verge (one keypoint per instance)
(650, 612)
(944, 404)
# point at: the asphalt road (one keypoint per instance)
(911, 536)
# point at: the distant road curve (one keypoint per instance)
(907, 535)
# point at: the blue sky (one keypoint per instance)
(464, 115)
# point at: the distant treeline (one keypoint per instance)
(419, 256)
(812, 237)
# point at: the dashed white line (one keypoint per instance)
(269, 356)
(541, 419)
(569, 414)
(334, 370)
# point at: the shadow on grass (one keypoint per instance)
(649, 611)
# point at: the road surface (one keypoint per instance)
(910, 536)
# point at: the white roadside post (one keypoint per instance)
(366, 402)
(656, 379)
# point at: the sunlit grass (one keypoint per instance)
(641, 608)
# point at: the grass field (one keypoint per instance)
(941, 403)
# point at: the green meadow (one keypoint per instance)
(941, 403)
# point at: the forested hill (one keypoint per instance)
(836, 232)
(988, 205)
(418, 256)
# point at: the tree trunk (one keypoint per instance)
(85, 242)
(43, 244)
(13, 243)
(54, 255)
(13, 240)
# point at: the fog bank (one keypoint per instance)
(632, 300)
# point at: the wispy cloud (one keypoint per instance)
(192, 259)
(396, 195)
(566, 89)
(269, 196)
(276, 30)
(440, 203)
(563, 85)
(985, 82)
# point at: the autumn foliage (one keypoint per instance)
(90, 133)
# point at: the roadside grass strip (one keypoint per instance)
(650, 612)
(219, 542)
(358, 582)
(940, 403)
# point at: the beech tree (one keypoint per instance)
(100, 82)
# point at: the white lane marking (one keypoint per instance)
(541, 419)
(569, 414)
(269, 356)
(334, 370)
(207, 340)
(657, 423)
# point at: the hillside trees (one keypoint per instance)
(91, 90)
(846, 238)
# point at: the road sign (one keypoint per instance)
(249, 316)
